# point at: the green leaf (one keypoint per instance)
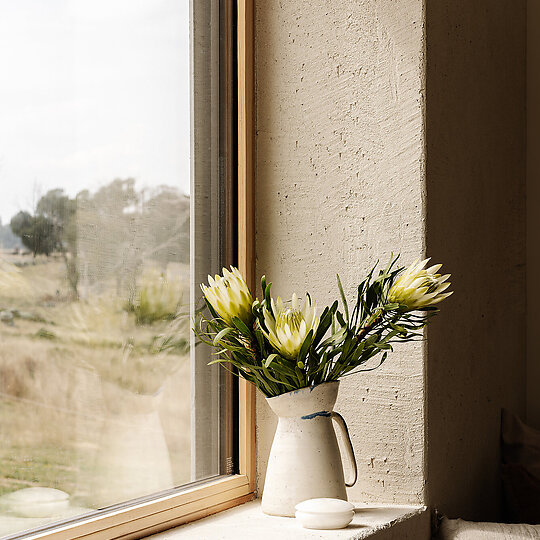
(399, 329)
(357, 353)
(334, 337)
(218, 361)
(389, 336)
(220, 335)
(343, 299)
(260, 340)
(371, 340)
(268, 299)
(269, 376)
(270, 359)
(241, 326)
(305, 346)
(233, 348)
(299, 376)
(323, 327)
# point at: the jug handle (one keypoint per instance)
(349, 447)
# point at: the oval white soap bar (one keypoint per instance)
(36, 502)
(324, 513)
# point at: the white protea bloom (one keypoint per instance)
(289, 328)
(420, 287)
(230, 296)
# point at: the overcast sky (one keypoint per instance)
(91, 90)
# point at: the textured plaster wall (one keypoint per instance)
(340, 183)
(475, 134)
(533, 212)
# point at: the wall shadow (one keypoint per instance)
(475, 224)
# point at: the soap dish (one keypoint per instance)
(324, 513)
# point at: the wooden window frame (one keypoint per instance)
(203, 499)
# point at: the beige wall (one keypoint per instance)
(533, 212)
(341, 181)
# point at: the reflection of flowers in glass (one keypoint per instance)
(229, 296)
(289, 328)
(99, 321)
(419, 287)
(158, 298)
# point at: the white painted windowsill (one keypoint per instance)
(248, 521)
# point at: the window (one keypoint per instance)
(103, 396)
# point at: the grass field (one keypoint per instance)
(83, 379)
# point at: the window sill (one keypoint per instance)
(247, 521)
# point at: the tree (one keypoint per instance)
(110, 234)
(37, 233)
(61, 211)
(53, 227)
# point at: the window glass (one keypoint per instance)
(110, 217)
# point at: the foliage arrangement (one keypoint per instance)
(282, 346)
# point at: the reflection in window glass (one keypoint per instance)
(95, 354)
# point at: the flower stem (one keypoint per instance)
(367, 328)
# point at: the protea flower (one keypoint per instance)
(289, 326)
(229, 296)
(419, 287)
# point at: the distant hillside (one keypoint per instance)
(7, 239)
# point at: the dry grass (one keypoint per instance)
(65, 370)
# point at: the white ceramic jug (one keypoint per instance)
(305, 462)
